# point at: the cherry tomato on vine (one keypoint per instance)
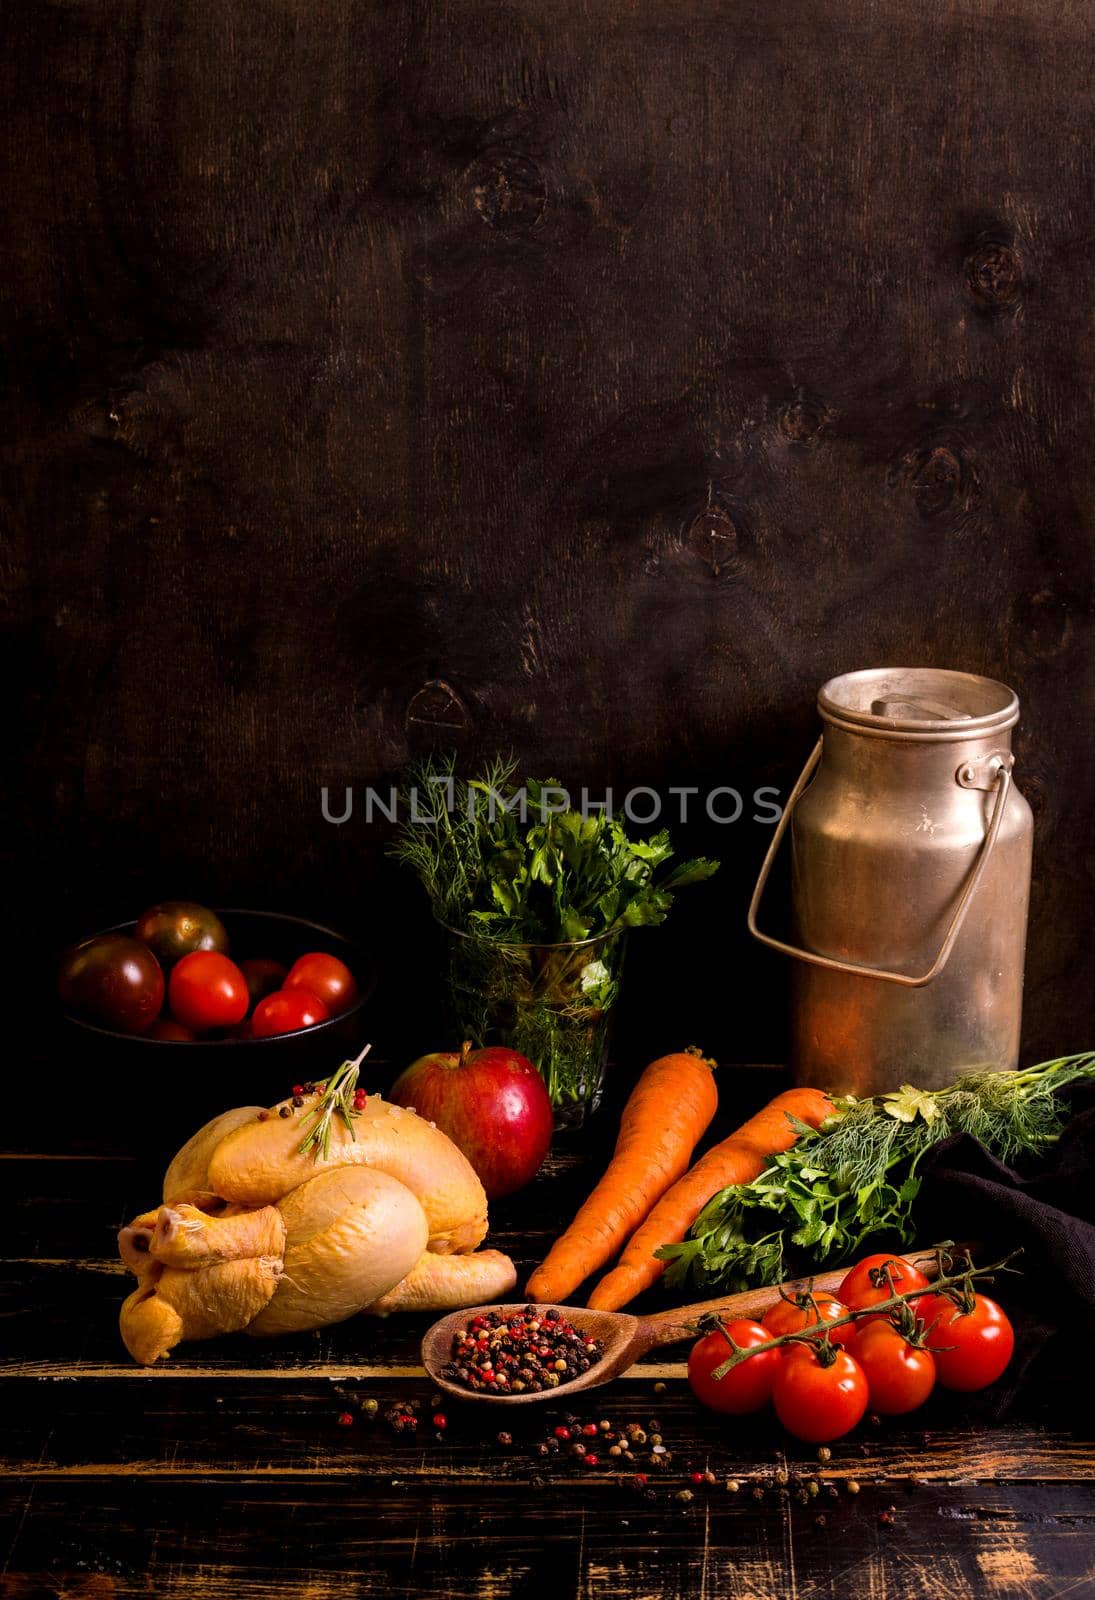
(749, 1386)
(899, 1376)
(786, 1317)
(859, 1291)
(982, 1341)
(819, 1402)
(326, 977)
(206, 991)
(286, 1011)
(858, 1278)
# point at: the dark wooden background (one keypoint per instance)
(630, 368)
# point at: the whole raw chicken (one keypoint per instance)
(255, 1235)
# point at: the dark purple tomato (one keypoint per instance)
(112, 980)
(176, 928)
(172, 1031)
(263, 976)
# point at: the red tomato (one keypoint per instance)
(784, 1317)
(859, 1290)
(286, 1011)
(819, 1403)
(899, 1376)
(326, 977)
(262, 976)
(749, 1386)
(165, 1029)
(982, 1341)
(206, 991)
(905, 1276)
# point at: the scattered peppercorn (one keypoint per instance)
(590, 1460)
(852, 1486)
(659, 1387)
(345, 1420)
(697, 1477)
(369, 1408)
(685, 1496)
(732, 1486)
(284, 1111)
(781, 1476)
(824, 1453)
(440, 1421)
(298, 1088)
(505, 1438)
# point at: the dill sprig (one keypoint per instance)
(337, 1100)
(856, 1176)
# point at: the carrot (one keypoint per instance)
(739, 1159)
(665, 1117)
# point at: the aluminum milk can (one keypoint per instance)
(910, 877)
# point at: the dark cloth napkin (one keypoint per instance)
(1047, 1208)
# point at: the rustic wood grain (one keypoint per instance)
(327, 1540)
(225, 1472)
(625, 371)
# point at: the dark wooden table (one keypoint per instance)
(226, 1472)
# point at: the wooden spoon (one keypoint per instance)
(626, 1338)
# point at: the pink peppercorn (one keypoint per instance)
(345, 1420)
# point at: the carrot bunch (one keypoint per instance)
(648, 1196)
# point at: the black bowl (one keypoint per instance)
(198, 1078)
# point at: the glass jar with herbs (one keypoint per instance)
(536, 902)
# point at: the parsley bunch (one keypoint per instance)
(502, 862)
(855, 1178)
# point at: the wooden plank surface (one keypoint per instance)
(226, 1473)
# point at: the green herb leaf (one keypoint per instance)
(908, 1103)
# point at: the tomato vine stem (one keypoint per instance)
(817, 1334)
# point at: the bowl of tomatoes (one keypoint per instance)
(266, 996)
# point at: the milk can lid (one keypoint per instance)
(928, 703)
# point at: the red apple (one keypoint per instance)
(493, 1105)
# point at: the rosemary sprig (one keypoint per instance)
(337, 1099)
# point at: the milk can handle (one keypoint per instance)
(1003, 780)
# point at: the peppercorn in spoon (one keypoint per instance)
(512, 1353)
